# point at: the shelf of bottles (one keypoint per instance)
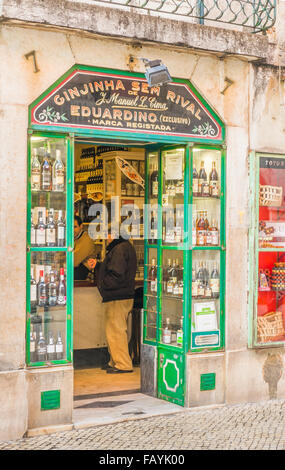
(270, 318)
(206, 295)
(47, 258)
(185, 248)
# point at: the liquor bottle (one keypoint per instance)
(46, 173)
(52, 290)
(214, 181)
(207, 228)
(153, 230)
(33, 294)
(50, 230)
(195, 282)
(215, 282)
(201, 281)
(41, 348)
(153, 277)
(202, 178)
(169, 280)
(33, 232)
(179, 336)
(195, 183)
(154, 181)
(178, 229)
(42, 291)
(208, 234)
(33, 357)
(206, 273)
(40, 231)
(60, 230)
(174, 275)
(61, 299)
(35, 172)
(214, 234)
(166, 333)
(208, 291)
(201, 230)
(166, 270)
(59, 347)
(58, 173)
(51, 353)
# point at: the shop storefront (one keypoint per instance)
(174, 143)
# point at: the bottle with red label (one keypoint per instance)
(61, 298)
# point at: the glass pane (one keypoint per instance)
(205, 291)
(271, 300)
(173, 196)
(172, 298)
(206, 186)
(48, 192)
(110, 178)
(151, 294)
(152, 199)
(272, 202)
(48, 306)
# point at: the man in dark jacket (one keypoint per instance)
(116, 283)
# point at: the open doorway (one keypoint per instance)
(99, 180)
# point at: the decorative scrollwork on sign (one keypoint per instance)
(50, 115)
(205, 129)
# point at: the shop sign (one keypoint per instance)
(91, 99)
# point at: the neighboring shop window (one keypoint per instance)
(270, 291)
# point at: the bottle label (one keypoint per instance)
(195, 186)
(50, 235)
(41, 236)
(32, 346)
(33, 293)
(169, 289)
(155, 188)
(215, 285)
(209, 238)
(33, 236)
(180, 289)
(166, 338)
(215, 237)
(153, 286)
(61, 233)
(201, 291)
(200, 237)
(50, 348)
(59, 348)
(214, 189)
(35, 178)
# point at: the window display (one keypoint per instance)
(48, 254)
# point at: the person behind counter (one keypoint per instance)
(83, 250)
(116, 283)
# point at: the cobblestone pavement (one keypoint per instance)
(248, 426)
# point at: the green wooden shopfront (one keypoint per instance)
(180, 133)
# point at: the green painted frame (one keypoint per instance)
(254, 250)
(68, 250)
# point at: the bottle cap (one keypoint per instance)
(41, 273)
(61, 271)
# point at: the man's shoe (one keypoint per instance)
(114, 370)
(106, 367)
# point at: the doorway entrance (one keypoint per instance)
(100, 184)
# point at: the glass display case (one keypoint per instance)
(49, 251)
(185, 248)
(268, 249)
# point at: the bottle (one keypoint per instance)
(153, 277)
(214, 234)
(208, 291)
(41, 348)
(61, 299)
(51, 353)
(178, 229)
(33, 232)
(215, 282)
(46, 174)
(195, 283)
(201, 281)
(58, 173)
(200, 230)
(195, 182)
(33, 291)
(59, 347)
(179, 336)
(33, 357)
(40, 231)
(41, 291)
(153, 230)
(166, 333)
(166, 271)
(205, 189)
(214, 181)
(154, 181)
(174, 276)
(209, 235)
(50, 231)
(52, 290)
(60, 230)
(169, 280)
(202, 178)
(35, 172)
